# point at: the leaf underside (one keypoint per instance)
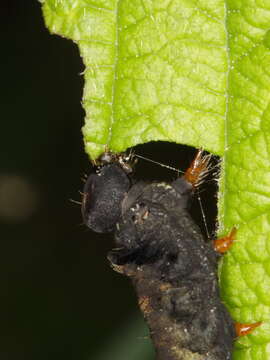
(195, 72)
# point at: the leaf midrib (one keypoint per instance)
(115, 65)
(223, 174)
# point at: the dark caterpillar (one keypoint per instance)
(162, 250)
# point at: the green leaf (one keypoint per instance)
(195, 72)
(155, 70)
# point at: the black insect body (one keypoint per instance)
(174, 273)
(103, 194)
(173, 269)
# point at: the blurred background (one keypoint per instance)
(59, 297)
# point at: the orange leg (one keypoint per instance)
(198, 169)
(245, 329)
(223, 244)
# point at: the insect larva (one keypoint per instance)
(162, 250)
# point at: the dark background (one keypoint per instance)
(59, 299)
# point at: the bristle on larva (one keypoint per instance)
(198, 169)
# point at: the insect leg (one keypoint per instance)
(223, 244)
(198, 169)
(245, 329)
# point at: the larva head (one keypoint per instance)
(103, 194)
